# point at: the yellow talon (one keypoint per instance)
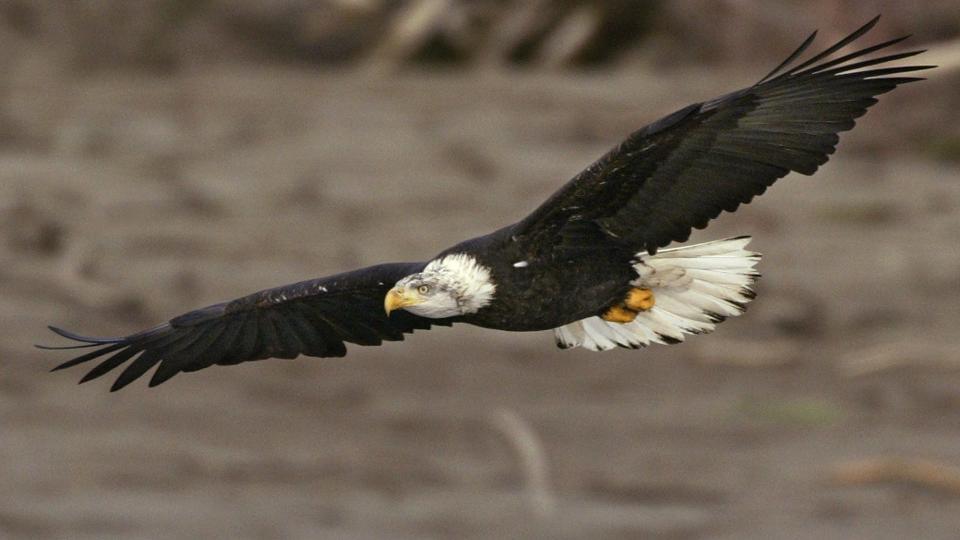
(619, 314)
(637, 300)
(640, 300)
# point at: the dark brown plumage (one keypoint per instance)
(683, 170)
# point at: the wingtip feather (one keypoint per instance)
(793, 56)
(83, 339)
(64, 347)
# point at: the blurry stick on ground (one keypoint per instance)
(572, 35)
(930, 475)
(946, 56)
(532, 459)
(896, 354)
(411, 29)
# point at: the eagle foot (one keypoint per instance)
(640, 300)
(619, 314)
(637, 300)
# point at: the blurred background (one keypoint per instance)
(161, 155)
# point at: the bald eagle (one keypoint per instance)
(586, 264)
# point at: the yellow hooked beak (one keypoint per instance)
(400, 298)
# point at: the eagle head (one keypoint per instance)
(455, 284)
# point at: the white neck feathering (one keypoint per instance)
(465, 275)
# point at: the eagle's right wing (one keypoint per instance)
(683, 170)
(313, 318)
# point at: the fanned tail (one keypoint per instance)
(694, 287)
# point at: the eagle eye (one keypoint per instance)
(423, 289)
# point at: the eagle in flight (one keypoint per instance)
(586, 264)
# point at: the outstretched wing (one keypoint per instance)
(313, 318)
(683, 170)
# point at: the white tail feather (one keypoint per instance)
(694, 288)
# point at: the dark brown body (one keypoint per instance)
(553, 289)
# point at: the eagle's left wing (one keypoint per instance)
(683, 170)
(313, 318)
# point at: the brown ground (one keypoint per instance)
(127, 200)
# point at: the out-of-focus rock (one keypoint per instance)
(795, 313)
(28, 229)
